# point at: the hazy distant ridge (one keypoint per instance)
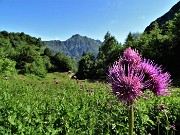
(74, 46)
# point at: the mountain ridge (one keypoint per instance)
(74, 46)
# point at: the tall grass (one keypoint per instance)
(58, 104)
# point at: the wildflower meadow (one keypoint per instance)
(59, 105)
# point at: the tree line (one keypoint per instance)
(159, 44)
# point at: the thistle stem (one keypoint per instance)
(131, 120)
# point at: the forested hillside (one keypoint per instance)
(21, 53)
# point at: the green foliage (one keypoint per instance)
(27, 54)
(47, 63)
(48, 52)
(86, 66)
(109, 44)
(109, 51)
(131, 38)
(37, 67)
(7, 67)
(58, 105)
(6, 49)
(90, 67)
(23, 52)
(161, 45)
(30, 61)
(29, 57)
(63, 63)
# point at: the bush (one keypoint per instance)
(37, 67)
(7, 67)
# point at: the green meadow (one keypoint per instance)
(59, 105)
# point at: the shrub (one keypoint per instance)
(7, 67)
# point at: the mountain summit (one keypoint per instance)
(74, 46)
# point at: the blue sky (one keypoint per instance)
(60, 19)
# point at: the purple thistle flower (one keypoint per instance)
(126, 86)
(155, 80)
(147, 66)
(131, 57)
(131, 75)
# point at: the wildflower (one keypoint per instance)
(162, 105)
(131, 57)
(173, 127)
(69, 72)
(56, 81)
(74, 77)
(131, 75)
(125, 86)
(155, 80)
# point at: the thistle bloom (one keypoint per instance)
(155, 79)
(131, 57)
(131, 75)
(126, 86)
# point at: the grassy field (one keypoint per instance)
(58, 104)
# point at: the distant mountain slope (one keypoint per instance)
(74, 46)
(166, 17)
